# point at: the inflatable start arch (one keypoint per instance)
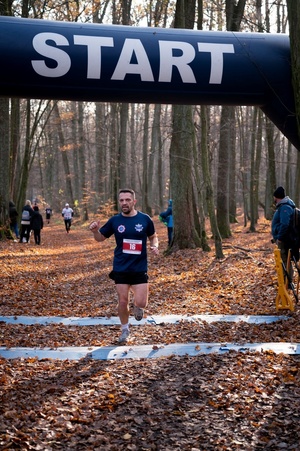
(73, 61)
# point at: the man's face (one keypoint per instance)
(276, 200)
(126, 202)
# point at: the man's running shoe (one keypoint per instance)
(124, 336)
(138, 313)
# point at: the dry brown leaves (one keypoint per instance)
(236, 401)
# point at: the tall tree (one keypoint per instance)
(294, 25)
(256, 138)
(271, 169)
(155, 164)
(5, 10)
(4, 160)
(208, 186)
(234, 14)
(64, 154)
(145, 180)
(181, 155)
(14, 146)
(82, 164)
(181, 152)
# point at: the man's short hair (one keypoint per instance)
(127, 190)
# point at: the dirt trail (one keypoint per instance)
(234, 401)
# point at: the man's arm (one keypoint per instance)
(94, 227)
(154, 243)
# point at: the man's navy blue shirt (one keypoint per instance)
(131, 233)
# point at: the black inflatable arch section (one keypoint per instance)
(73, 61)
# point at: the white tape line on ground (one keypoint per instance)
(146, 351)
(155, 319)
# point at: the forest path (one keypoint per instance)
(67, 277)
(221, 401)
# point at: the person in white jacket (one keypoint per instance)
(67, 214)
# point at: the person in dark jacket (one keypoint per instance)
(281, 225)
(25, 222)
(13, 217)
(48, 212)
(36, 224)
(167, 217)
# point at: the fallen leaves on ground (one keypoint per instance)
(237, 401)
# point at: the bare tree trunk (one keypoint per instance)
(253, 212)
(75, 151)
(199, 214)
(145, 187)
(101, 177)
(294, 25)
(124, 161)
(209, 194)
(181, 152)
(4, 160)
(14, 146)
(296, 196)
(134, 147)
(113, 164)
(271, 170)
(157, 147)
(181, 155)
(5, 182)
(232, 168)
(223, 174)
(26, 160)
(155, 177)
(82, 164)
(257, 162)
(64, 155)
(234, 13)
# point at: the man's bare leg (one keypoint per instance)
(123, 310)
(141, 293)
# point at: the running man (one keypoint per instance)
(67, 214)
(131, 229)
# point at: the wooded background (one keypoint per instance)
(209, 159)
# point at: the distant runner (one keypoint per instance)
(67, 214)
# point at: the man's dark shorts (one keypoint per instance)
(129, 278)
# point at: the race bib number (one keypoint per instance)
(132, 246)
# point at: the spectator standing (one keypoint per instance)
(282, 225)
(48, 212)
(167, 217)
(131, 229)
(37, 224)
(27, 212)
(67, 214)
(13, 217)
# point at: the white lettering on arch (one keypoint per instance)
(216, 53)
(168, 60)
(126, 66)
(62, 59)
(94, 44)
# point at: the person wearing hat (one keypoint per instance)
(282, 225)
(67, 214)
